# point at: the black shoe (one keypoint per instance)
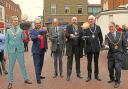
(0, 71)
(55, 76)
(5, 72)
(27, 81)
(41, 77)
(38, 81)
(88, 79)
(97, 78)
(10, 86)
(111, 81)
(68, 78)
(116, 85)
(79, 76)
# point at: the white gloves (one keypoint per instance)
(72, 35)
(76, 33)
(106, 46)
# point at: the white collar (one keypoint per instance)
(114, 32)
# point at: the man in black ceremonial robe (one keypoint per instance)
(93, 45)
(74, 47)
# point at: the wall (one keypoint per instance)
(60, 13)
(120, 17)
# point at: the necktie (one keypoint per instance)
(15, 29)
(42, 44)
(55, 29)
(14, 33)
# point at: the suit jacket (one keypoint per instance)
(109, 40)
(11, 43)
(70, 43)
(56, 38)
(93, 44)
(36, 42)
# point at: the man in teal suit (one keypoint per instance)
(14, 48)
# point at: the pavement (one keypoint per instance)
(61, 83)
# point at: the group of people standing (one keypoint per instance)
(90, 39)
(74, 39)
(74, 46)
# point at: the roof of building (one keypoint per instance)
(116, 11)
(98, 5)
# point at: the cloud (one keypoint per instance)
(33, 8)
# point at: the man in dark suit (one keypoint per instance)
(116, 43)
(73, 47)
(39, 47)
(93, 44)
(56, 35)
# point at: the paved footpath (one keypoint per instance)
(61, 83)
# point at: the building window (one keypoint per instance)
(9, 6)
(99, 9)
(105, 5)
(79, 7)
(0, 13)
(6, 4)
(94, 10)
(90, 10)
(67, 9)
(15, 9)
(53, 8)
(12, 7)
(1, 1)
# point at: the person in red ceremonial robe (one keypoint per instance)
(119, 29)
(26, 41)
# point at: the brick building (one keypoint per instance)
(64, 10)
(11, 9)
(112, 4)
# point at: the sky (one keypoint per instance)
(34, 7)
